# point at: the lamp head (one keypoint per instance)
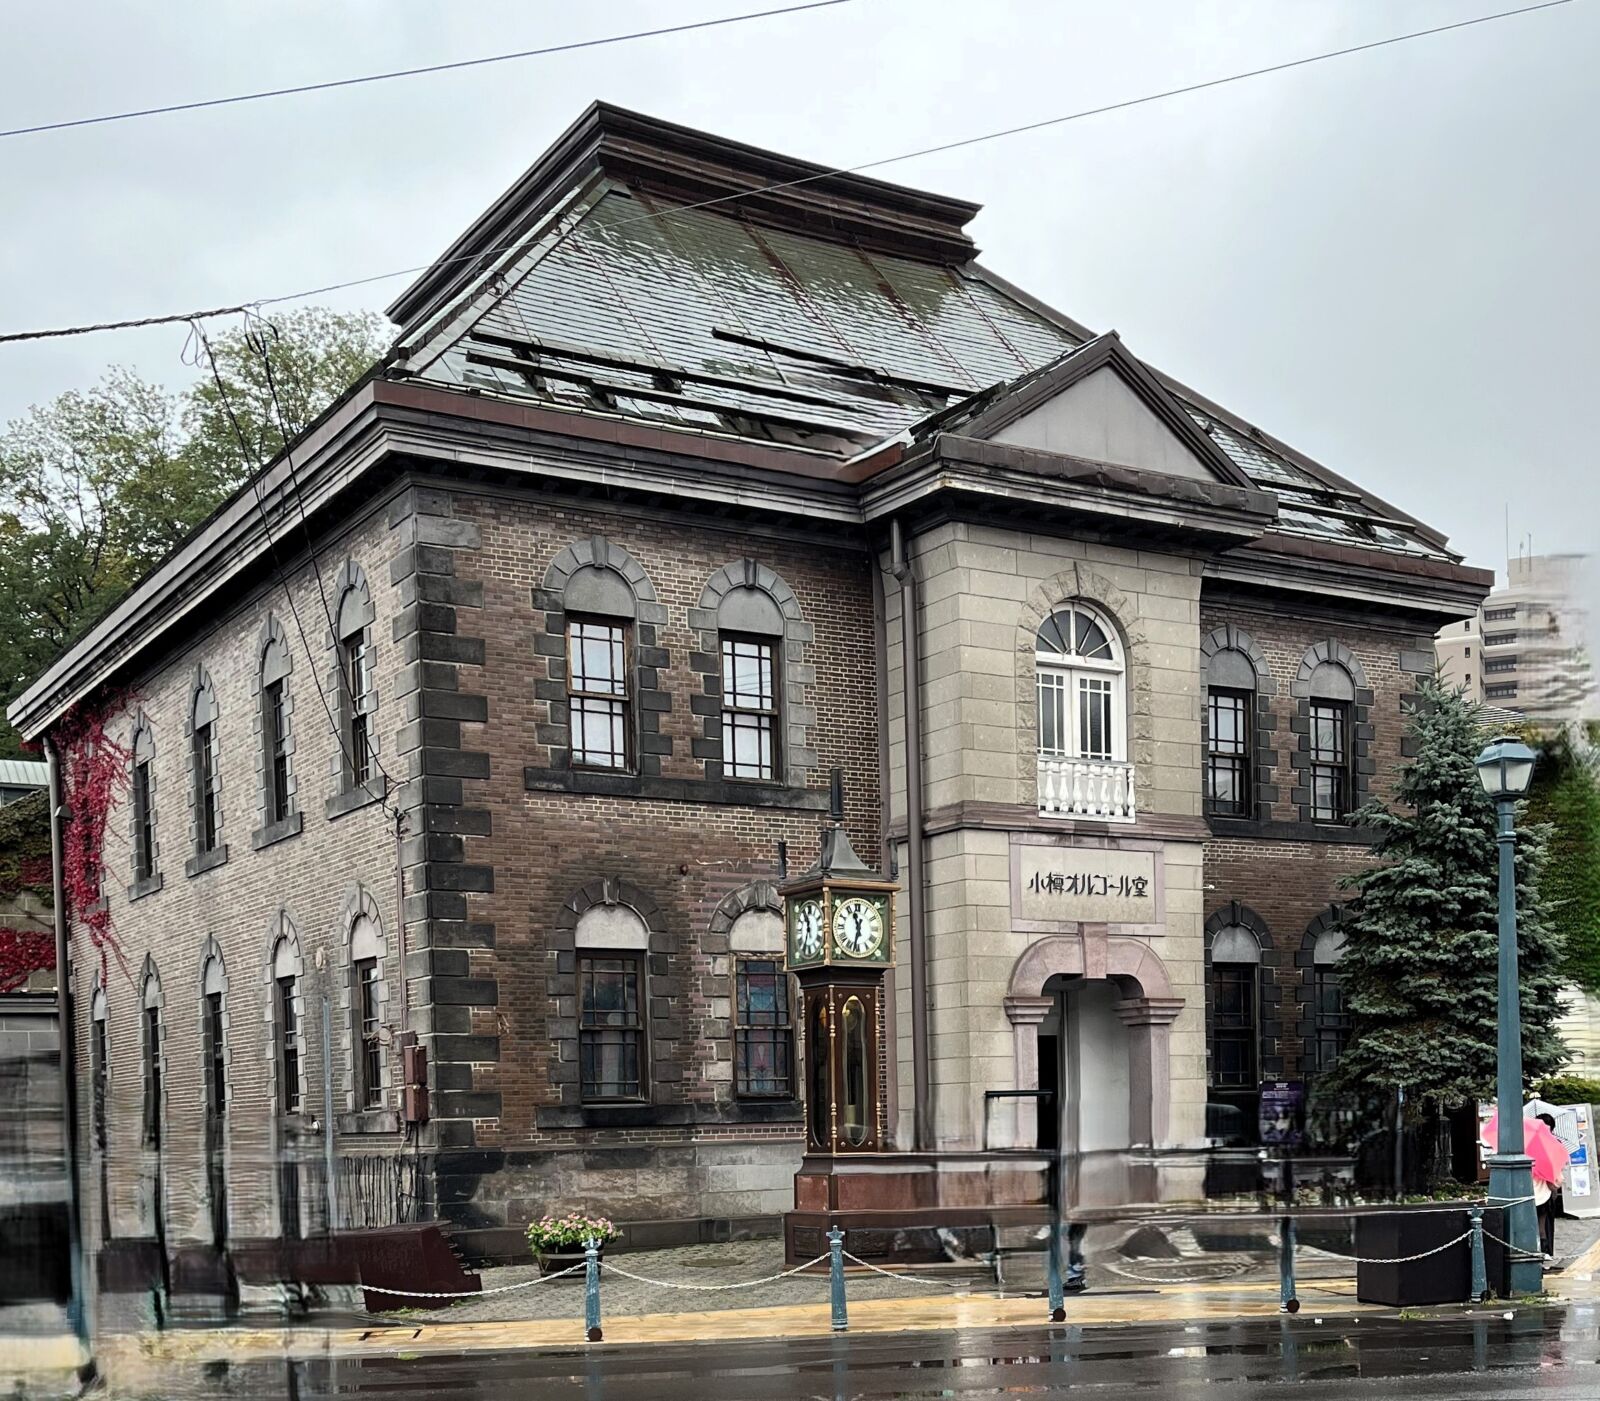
(1505, 768)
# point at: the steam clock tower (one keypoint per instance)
(840, 921)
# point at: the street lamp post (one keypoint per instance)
(1505, 768)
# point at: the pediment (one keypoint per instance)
(1100, 404)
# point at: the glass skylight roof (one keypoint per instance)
(699, 319)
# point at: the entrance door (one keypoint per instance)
(1084, 1061)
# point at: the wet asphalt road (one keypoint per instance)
(1552, 1353)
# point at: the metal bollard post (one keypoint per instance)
(1052, 1258)
(836, 1278)
(1287, 1301)
(591, 1290)
(1480, 1275)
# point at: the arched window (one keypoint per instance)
(143, 805)
(150, 1024)
(286, 1021)
(214, 1075)
(353, 688)
(612, 945)
(1333, 694)
(366, 1009)
(1230, 734)
(750, 628)
(1330, 1011)
(99, 1065)
(203, 732)
(213, 1037)
(601, 611)
(1235, 1008)
(763, 1055)
(1082, 716)
(276, 790)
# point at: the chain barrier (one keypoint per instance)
(960, 1284)
(1398, 1259)
(964, 1286)
(710, 1288)
(473, 1293)
(1516, 1255)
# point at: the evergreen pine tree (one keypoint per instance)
(1420, 962)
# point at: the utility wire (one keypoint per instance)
(252, 306)
(256, 339)
(416, 72)
(272, 551)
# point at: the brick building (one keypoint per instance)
(485, 716)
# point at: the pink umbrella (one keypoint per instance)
(1549, 1153)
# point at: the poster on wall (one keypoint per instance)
(1282, 1116)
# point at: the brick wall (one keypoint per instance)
(675, 843)
(309, 870)
(468, 662)
(1285, 871)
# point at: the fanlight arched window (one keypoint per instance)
(1082, 717)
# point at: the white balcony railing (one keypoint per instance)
(1099, 788)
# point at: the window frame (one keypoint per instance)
(150, 1024)
(355, 686)
(207, 815)
(99, 1081)
(366, 1031)
(779, 1033)
(275, 749)
(213, 1050)
(1065, 673)
(1338, 768)
(620, 699)
(1246, 1033)
(769, 717)
(1242, 758)
(286, 1024)
(590, 1036)
(1328, 1026)
(144, 819)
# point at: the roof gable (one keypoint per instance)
(1101, 404)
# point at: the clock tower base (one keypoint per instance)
(892, 1206)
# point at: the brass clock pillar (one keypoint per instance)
(840, 921)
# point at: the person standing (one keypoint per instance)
(1547, 1203)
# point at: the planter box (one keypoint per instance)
(1441, 1278)
(553, 1262)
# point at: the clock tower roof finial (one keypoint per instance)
(837, 857)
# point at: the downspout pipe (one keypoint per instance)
(911, 700)
(67, 1059)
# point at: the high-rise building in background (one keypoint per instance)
(1527, 650)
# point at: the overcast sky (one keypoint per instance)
(1390, 260)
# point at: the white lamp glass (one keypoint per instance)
(1505, 768)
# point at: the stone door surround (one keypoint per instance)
(1148, 1008)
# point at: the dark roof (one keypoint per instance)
(828, 315)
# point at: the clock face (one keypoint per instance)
(857, 927)
(808, 929)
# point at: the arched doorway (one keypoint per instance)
(1091, 1018)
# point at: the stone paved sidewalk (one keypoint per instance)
(1115, 1263)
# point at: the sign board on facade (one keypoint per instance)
(1282, 1111)
(1062, 884)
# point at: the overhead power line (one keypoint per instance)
(415, 72)
(1045, 123)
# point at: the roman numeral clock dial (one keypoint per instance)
(807, 932)
(857, 927)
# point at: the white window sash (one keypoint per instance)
(1059, 686)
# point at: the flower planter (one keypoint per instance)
(1443, 1277)
(554, 1261)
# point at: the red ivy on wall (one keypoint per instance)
(24, 952)
(94, 771)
